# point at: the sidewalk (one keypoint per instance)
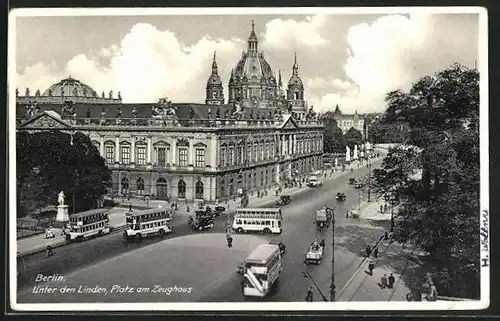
(37, 243)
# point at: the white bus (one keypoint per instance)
(148, 223)
(262, 270)
(264, 220)
(88, 224)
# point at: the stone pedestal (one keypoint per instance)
(62, 213)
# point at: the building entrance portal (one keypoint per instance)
(161, 188)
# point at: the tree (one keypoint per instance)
(50, 162)
(353, 137)
(382, 132)
(333, 140)
(439, 210)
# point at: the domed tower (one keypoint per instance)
(295, 90)
(252, 80)
(215, 90)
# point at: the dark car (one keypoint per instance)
(280, 244)
(352, 181)
(203, 222)
(219, 210)
(359, 185)
(284, 200)
(341, 197)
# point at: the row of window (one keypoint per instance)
(89, 219)
(253, 222)
(261, 152)
(89, 227)
(150, 225)
(162, 155)
(161, 183)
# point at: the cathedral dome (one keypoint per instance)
(254, 67)
(70, 87)
(214, 80)
(295, 81)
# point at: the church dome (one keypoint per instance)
(70, 87)
(254, 67)
(295, 81)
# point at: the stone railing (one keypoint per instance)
(210, 123)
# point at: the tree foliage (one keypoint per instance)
(333, 139)
(440, 210)
(383, 133)
(353, 137)
(50, 162)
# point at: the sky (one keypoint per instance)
(351, 60)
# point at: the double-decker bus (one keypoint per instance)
(146, 223)
(262, 269)
(88, 224)
(264, 220)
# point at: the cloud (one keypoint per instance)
(292, 34)
(391, 53)
(387, 54)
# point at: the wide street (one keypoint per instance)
(214, 266)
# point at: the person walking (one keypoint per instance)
(371, 266)
(310, 295)
(375, 252)
(384, 283)
(368, 251)
(391, 281)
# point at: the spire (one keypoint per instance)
(252, 42)
(295, 67)
(214, 65)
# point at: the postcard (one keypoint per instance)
(277, 159)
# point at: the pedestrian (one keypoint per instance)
(130, 207)
(310, 295)
(375, 252)
(347, 214)
(381, 208)
(386, 235)
(368, 251)
(391, 281)
(371, 266)
(384, 282)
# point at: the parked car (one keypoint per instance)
(359, 185)
(280, 244)
(352, 181)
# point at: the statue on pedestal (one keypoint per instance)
(60, 198)
(348, 154)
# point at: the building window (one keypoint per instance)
(249, 153)
(223, 156)
(183, 157)
(200, 157)
(239, 154)
(198, 194)
(268, 155)
(140, 186)
(161, 156)
(261, 178)
(110, 154)
(125, 153)
(254, 179)
(181, 189)
(256, 152)
(231, 187)
(222, 190)
(231, 156)
(141, 155)
(261, 151)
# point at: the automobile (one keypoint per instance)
(314, 181)
(219, 210)
(352, 181)
(359, 185)
(341, 197)
(280, 244)
(284, 200)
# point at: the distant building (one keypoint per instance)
(186, 151)
(346, 121)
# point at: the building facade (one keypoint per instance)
(346, 121)
(186, 151)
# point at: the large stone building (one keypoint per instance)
(178, 151)
(346, 121)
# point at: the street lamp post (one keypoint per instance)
(392, 215)
(332, 286)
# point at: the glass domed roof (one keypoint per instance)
(70, 87)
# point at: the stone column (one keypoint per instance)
(290, 144)
(149, 151)
(101, 147)
(295, 143)
(117, 150)
(132, 151)
(174, 151)
(190, 154)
